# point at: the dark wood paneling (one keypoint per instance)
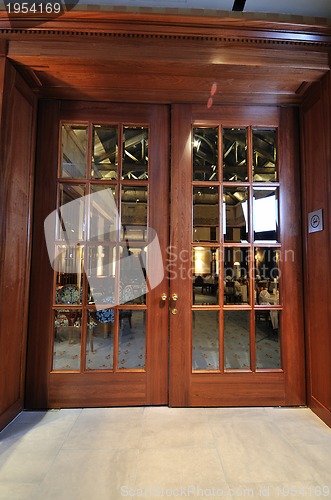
(292, 328)
(178, 51)
(238, 389)
(167, 70)
(18, 112)
(259, 116)
(158, 351)
(41, 271)
(2, 79)
(166, 96)
(179, 255)
(3, 49)
(123, 389)
(316, 133)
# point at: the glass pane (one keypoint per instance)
(134, 213)
(135, 153)
(264, 155)
(105, 152)
(100, 339)
(265, 214)
(205, 275)
(205, 340)
(236, 340)
(235, 215)
(234, 154)
(205, 214)
(103, 213)
(74, 145)
(236, 283)
(205, 154)
(267, 338)
(67, 339)
(267, 270)
(133, 286)
(71, 213)
(69, 274)
(100, 270)
(132, 339)
(69, 294)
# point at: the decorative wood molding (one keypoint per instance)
(224, 39)
(166, 26)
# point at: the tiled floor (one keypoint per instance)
(165, 452)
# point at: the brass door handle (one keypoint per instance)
(174, 298)
(164, 297)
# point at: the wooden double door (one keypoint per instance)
(138, 301)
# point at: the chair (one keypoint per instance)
(262, 315)
(199, 281)
(229, 292)
(123, 315)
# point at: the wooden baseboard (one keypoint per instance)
(7, 416)
(321, 411)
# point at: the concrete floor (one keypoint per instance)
(160, 452)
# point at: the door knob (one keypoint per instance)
(174, 296)
(164, 297)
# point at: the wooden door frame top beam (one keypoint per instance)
(230, 29)
(92, 55)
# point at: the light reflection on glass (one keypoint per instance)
(267, 338)
(135, 153)
(100, 339)
(134, 213)
(132, 339)
(234, 154)
(71, 225)
(205, 276)
(105, 152)
(103, 213)
(205, 214)
(205, 154)
(67, 339)
(265, 214)
(264, 155)
(205, 340)
(74, 145)
(236, 340)
(235, 214)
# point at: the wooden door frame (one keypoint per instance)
(201, 389)
(43, 388)
(186, 388)
(18, 117)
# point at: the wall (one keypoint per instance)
(316, 192)
(17, 139)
